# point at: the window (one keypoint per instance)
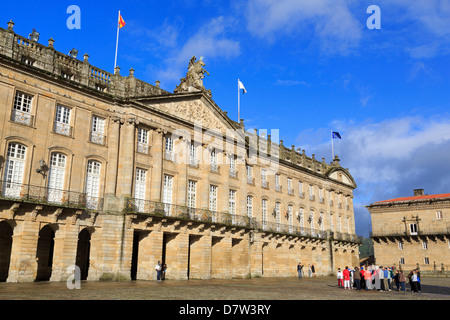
(233, 172)
(232, 205)
(14, 170)
(289, 186)
(22, 109)
(192, 188)
(439, 214)
(56, 177)
(322, 222)
(142, 146)
(402, 260)
(321, 199)
(167, 194)
(311, 221)
(214, 167)
(278, 215)
(250, 206)
(93, 184)
(300, 189)
(301, 219)
(330, 201)
(413, 229)
(139, 189)
(331, 223)
(193, 155)
(311, 192)
(213, 198)
(27, 61)
(277, 182)
(425, 245)
(62, 121)
(264, 213)
(264, 179)
(98, 130)
(400, 245)
(426, 260)
(290, 222)
(169, 154)
(249, 175)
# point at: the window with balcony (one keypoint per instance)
(232, 204)
(233, 172)
(22, 109)
(142, 141)
(56, 176)
(169, 153)
(191, 195)
(139, 189)
(213, 198)
(413, 230)
(98, 130)
(277, 183)
(264, 213)
(93, 185)
(14, 170)
(62, 121)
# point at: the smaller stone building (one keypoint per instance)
(412, 231)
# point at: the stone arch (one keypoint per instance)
(44, 253)
(6, 233)
(83, 252)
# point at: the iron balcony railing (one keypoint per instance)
(290, 229)
(44, 195)
(184, 212)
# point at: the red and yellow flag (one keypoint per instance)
(121, 21)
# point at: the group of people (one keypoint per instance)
(378, 278)
(311, 270)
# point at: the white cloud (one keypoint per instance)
(390, 158)
(330, 21)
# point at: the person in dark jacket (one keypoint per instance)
(357, 278)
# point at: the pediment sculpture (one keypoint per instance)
(193, 82)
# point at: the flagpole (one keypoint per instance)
(117, 42)
(332, 146)
(239, 103)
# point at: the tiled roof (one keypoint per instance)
(432, 196)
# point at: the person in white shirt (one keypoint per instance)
(158, 271)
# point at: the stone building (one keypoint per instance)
(412, 231)
(112, 174)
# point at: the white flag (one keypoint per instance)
(241, 86)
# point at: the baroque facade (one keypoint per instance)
(112, 174)
(412, 232)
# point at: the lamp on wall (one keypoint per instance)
(43, 168)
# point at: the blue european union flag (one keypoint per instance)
(336, 135)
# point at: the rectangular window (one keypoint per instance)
(300, 190)
(321, 199)
(249, 175)
(278, 215)
(98, 130)
(289, 186)
(264, 213)
(142, 146)
(62, 120)
(192, 188)
(167, 194)
(402, 260)
(232, 205)
(400, 245)
(250, 206)
(139, 189)
(22, 102)
(413, 229)
(277, 182)
(439, 214)
(233, 172)
(214, 166)
(425, 245)
(426, 260)
(193, 155)
(264, 182)
(290, 221)
(169, 154)
(311, 192)
(213, 198)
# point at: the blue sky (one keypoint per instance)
(308, 66)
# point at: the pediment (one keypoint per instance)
(341, 175)
(193, 108)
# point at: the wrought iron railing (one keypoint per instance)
(183, 212)
(290, 229)
(44, 195)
